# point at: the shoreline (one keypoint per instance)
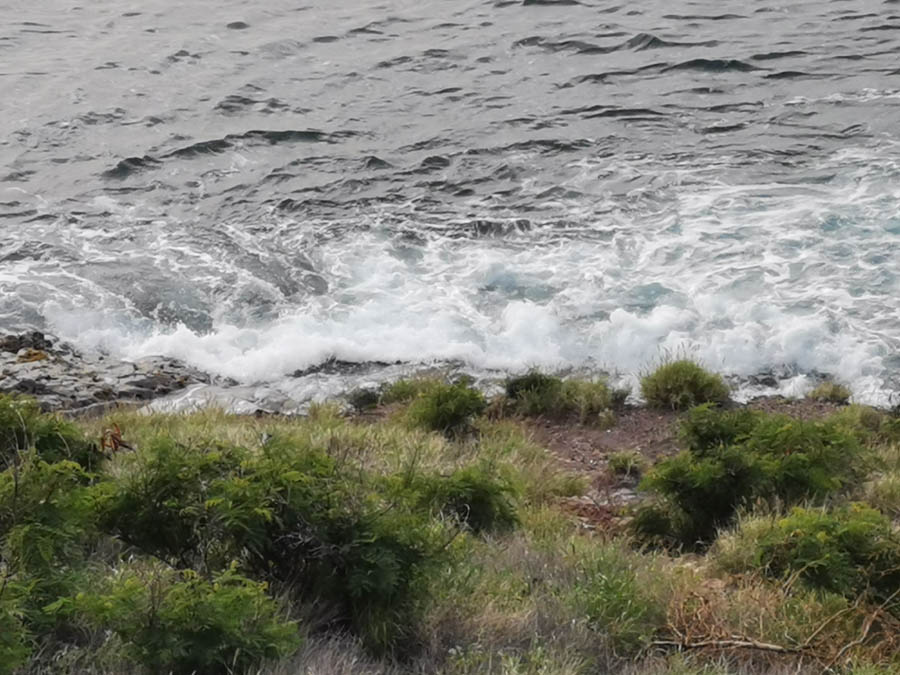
(84, 383)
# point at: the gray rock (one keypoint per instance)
(61, 378)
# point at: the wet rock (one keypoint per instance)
(61, 378)
(16, 343)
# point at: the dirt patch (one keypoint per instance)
(800, 408)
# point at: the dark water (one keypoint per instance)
(502, 183)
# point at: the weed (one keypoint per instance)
(475, 497)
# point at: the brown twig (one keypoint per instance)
(867, 626)
(734, 643)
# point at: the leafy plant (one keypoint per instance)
(681, 384)
(14, 639)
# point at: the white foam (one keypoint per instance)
(745, 277)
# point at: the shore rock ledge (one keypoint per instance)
(61, 378)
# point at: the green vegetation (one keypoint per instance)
(682, 384)
(734, 458)
(437, 536)
(536, 393)
(447, 408)
(851, 550)
(627, 463)
(831, 392)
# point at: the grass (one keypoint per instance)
(830, 392)
(682, 384)
(627, 463)
(388, 544)
(540, 394)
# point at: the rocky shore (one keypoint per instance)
(63, 378)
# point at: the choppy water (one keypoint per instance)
(506, 184)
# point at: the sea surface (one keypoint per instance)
(260, 188)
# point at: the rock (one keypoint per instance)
(61, 378)
(33, 340)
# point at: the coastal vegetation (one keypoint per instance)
(680, 384)
(437, 532)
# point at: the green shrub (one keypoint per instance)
(23, 426)
(733, 458)
(47, 529)
(362, 399)
(447, 408)
(831, 392)
(536, 393)
(705, 427)
(14, 639)
(328, 530)
(850, 550)
(177, 622)
(474, 496)
(681, 384)
(159, 502)
(405, 390)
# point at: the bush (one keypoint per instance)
(447, 408)
(537, 393)
(850, 551)
(159, 502)
(47, 528)
(171, 621)
(405, 390)
(23, 426)
(681, 384)
(733, 458)
(363, 398)
(831, 392)
(14, 642)
(473, 496)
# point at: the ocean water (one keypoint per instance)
(591, 184)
